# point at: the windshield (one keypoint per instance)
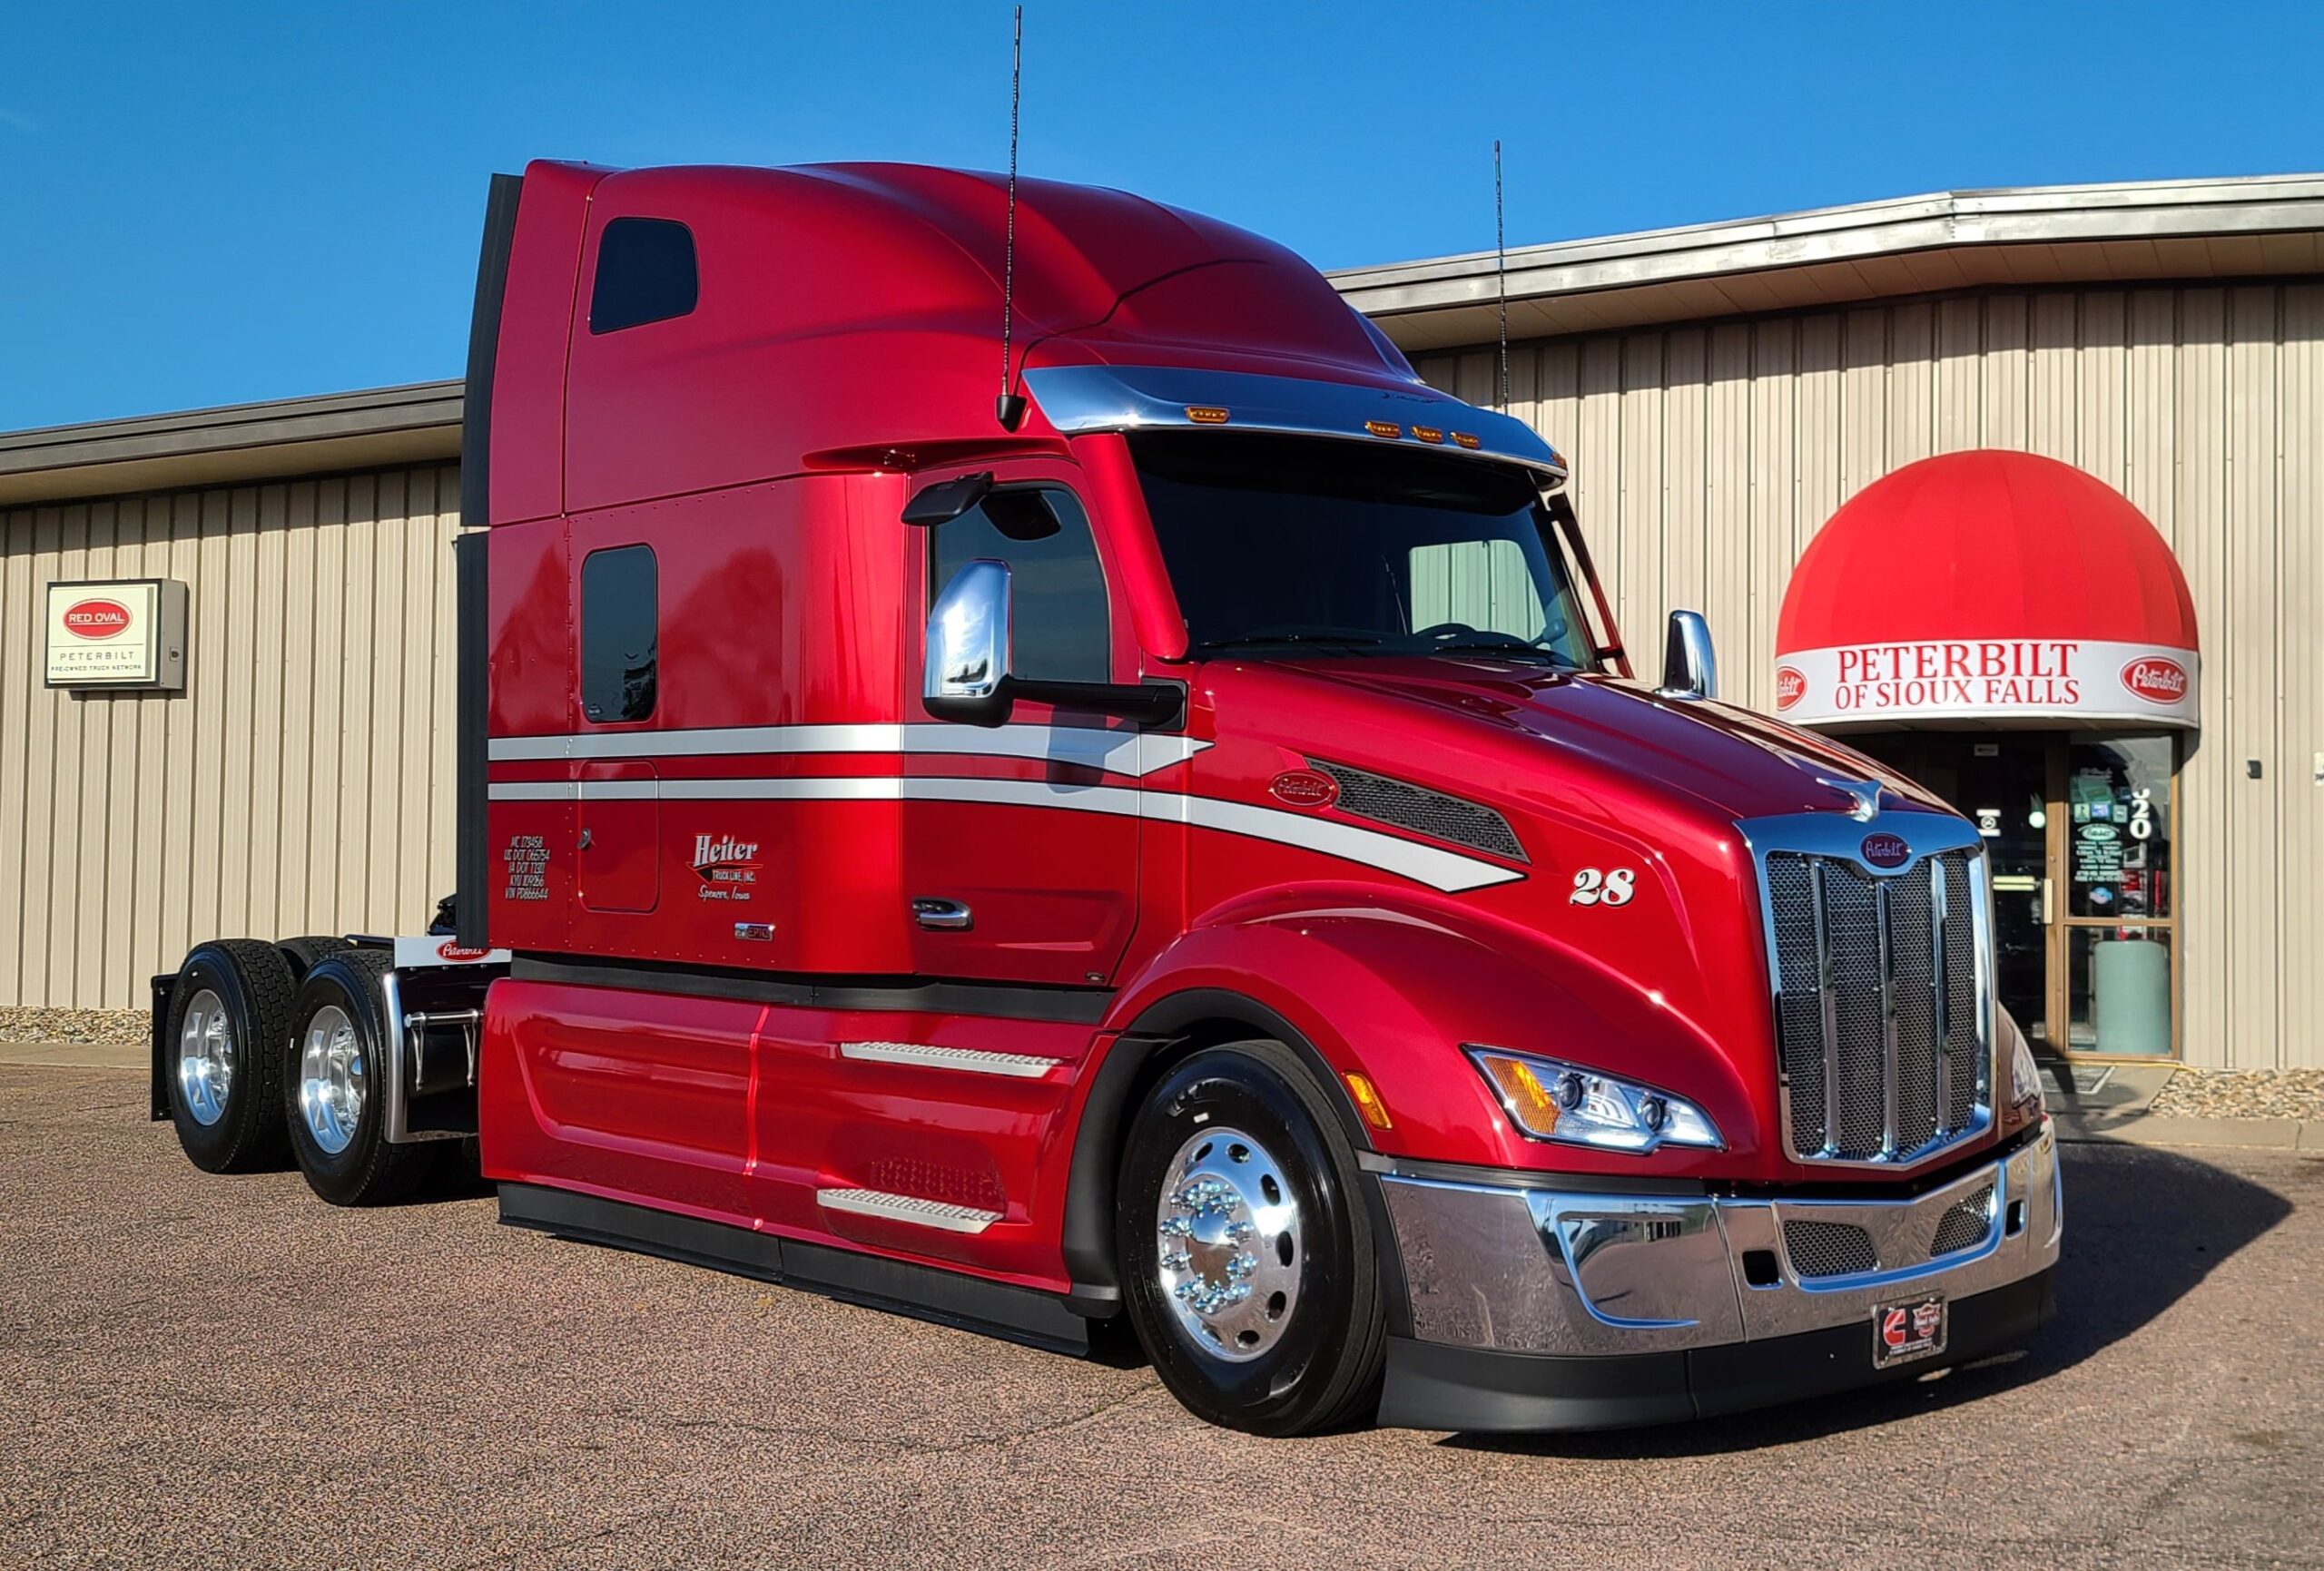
(1308, 547)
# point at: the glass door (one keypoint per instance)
(2121, 909)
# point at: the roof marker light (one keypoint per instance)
(1206, 414)
(1462, 439)
(1383, 427)
(1429, 433)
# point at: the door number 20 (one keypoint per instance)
(1610, 887)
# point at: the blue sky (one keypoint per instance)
(219, 202)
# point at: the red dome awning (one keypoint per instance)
(1987, 587)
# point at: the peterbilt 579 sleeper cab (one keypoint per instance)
(1185, 849)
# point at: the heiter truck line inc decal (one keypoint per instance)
(727, 867)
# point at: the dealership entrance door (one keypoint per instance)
(2078, 831)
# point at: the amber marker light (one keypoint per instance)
(1528, 1098)
(1383, 427)
(1462, 439)
(1206, 414)
(1429, 433)
(1367, 1101)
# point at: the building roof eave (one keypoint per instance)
(375, 428)
(2030, 236)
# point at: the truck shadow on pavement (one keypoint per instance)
(2144, 1227)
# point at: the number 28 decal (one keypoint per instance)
(1607, 886)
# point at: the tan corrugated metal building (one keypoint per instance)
(1721, 389)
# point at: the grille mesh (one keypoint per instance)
(1820, 1248)
(1365, 795)
(1872, 970)
(1964, 1224)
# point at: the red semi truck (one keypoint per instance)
(1183, 848)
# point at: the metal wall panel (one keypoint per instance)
(1706, 457)
(300, 783)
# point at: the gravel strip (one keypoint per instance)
(2243, 1094)
(115, 1027)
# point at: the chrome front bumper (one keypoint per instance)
(1572, 1273)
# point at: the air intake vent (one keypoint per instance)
(1965, 1225)
(1821, 1249)
(1365, 795)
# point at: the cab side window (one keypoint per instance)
(620, 630)
(1061, 626)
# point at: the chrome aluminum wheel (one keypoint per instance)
(331, 1079)
(205, 1058)
(1230, 1245)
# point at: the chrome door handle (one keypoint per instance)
(946, 915)
(585, 839)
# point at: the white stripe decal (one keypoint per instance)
(1440, 870)
(1129, 752)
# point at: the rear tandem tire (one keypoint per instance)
(333, 1087)
(303, 952)
(230, 1014)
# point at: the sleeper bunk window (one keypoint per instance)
(646, 273)
(620, 628)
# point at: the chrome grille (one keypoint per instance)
(1440, 817)
(1883, 1051)
(1828, 1249)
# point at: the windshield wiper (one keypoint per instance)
(1301, 637)
(1508, 644)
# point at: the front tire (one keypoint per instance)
(1247, 1257)
(230, 1014)
(334, 1082)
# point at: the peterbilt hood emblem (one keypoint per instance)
(1887, 852)
(1864, 795)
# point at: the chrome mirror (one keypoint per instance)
(1689, 668)
(966, 675)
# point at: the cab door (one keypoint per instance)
(1021, 841)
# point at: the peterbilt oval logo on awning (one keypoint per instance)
(1305, 788)
(96, 619)
(1885, 851)
(2155, 679)
(1790, 682)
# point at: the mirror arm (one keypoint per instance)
(1157, 702)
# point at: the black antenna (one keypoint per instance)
(1010, 406)
(1501, 273)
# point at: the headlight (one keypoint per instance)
(1550, 1100)
(2024, 1074)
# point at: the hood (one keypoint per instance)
(1724, 761)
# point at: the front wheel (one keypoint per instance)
(1247, 1261)
(334, 1084)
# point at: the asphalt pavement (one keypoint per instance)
(199, 1372)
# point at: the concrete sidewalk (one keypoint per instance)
(2112, 1104)
(77, 1054)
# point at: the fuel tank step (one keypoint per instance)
(908, 1208)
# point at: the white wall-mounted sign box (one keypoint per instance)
(117, 633)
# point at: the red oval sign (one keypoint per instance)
(96, 619)
(1885, 851)
(2156, 679)
(1790, 684)
(1303, 788)
(452, 949)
